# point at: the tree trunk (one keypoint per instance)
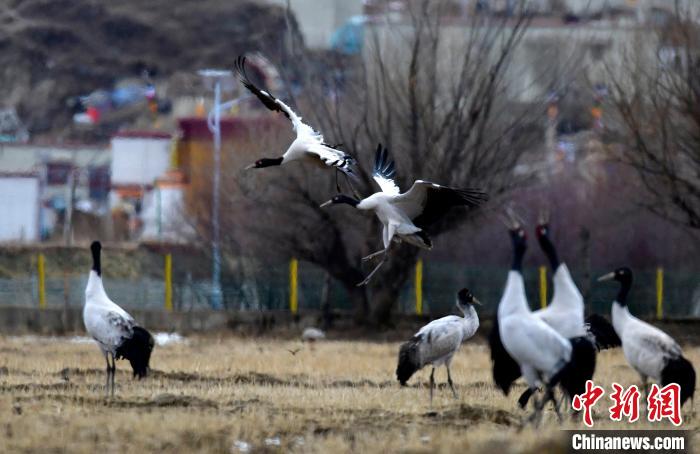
(358, 299)
(389, 281)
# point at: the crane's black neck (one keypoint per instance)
(96, 265)
(269, 162)
(625, 286)
(342, 198)
(547, 246)
(519, 247)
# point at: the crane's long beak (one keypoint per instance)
(252, 166)
(325, 204)
(476, 301)
(607, 277)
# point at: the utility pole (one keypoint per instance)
(217, 77)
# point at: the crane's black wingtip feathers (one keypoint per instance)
(137, 349)
(580, 368)
(505, 370)
(472, 197)
(384, 166)
(409, 362)
(266, 98)
(680, 371)
(603, 332)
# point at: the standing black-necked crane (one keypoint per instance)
(542, 354)
(438, 341)
(405, 216)
(114, 330)
(565, 314)
(651, 352)
(308, 146)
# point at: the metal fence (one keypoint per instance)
(271, 287)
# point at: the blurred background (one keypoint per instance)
(589, 109)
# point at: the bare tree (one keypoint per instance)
(437, 95)
(656, 105)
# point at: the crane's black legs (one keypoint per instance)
(549, 396)
(449, 382)
(432, 385)
(373, 255)
(645, 386)
(352, 187)
(379, 265)
(114, 370)
(349, 181)
(111, 369)
(109, 372)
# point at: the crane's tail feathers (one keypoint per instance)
(471, 197)
(602, 331)
(580, 368)
(137, 350)
(505, 369)
(409, 361)
(680, 371)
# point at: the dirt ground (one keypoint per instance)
(261, 395)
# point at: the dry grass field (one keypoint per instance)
(253, 395)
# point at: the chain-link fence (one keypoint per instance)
(268, 288)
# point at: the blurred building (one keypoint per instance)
(20, 201)
(569, 41)
(139, 160)
(72, 179)
(318, 20)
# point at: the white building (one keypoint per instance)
(64, 171)
(20, 202)
(144, 187)
(140, 157)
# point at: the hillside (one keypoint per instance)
(52, 50)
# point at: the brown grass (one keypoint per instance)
(209, 394)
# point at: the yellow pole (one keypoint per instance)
(659, 293)
(293, 285)
(419, 287)
(543, 287)
(42, 282)
(168, 282)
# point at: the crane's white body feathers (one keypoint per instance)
(539, 350)
(565, 312)
(413, 201)
(387, 185)
(394, 220)
(646, 348)
(441, 338)
(106, 322)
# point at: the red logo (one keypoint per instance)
(586, 401)
(662, 403)
(625, 403)
(665, 403)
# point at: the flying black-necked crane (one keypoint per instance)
(438, 341)
(406, 216)
(114, 330)
(309, 145)
(542, 354)
(651, 352)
